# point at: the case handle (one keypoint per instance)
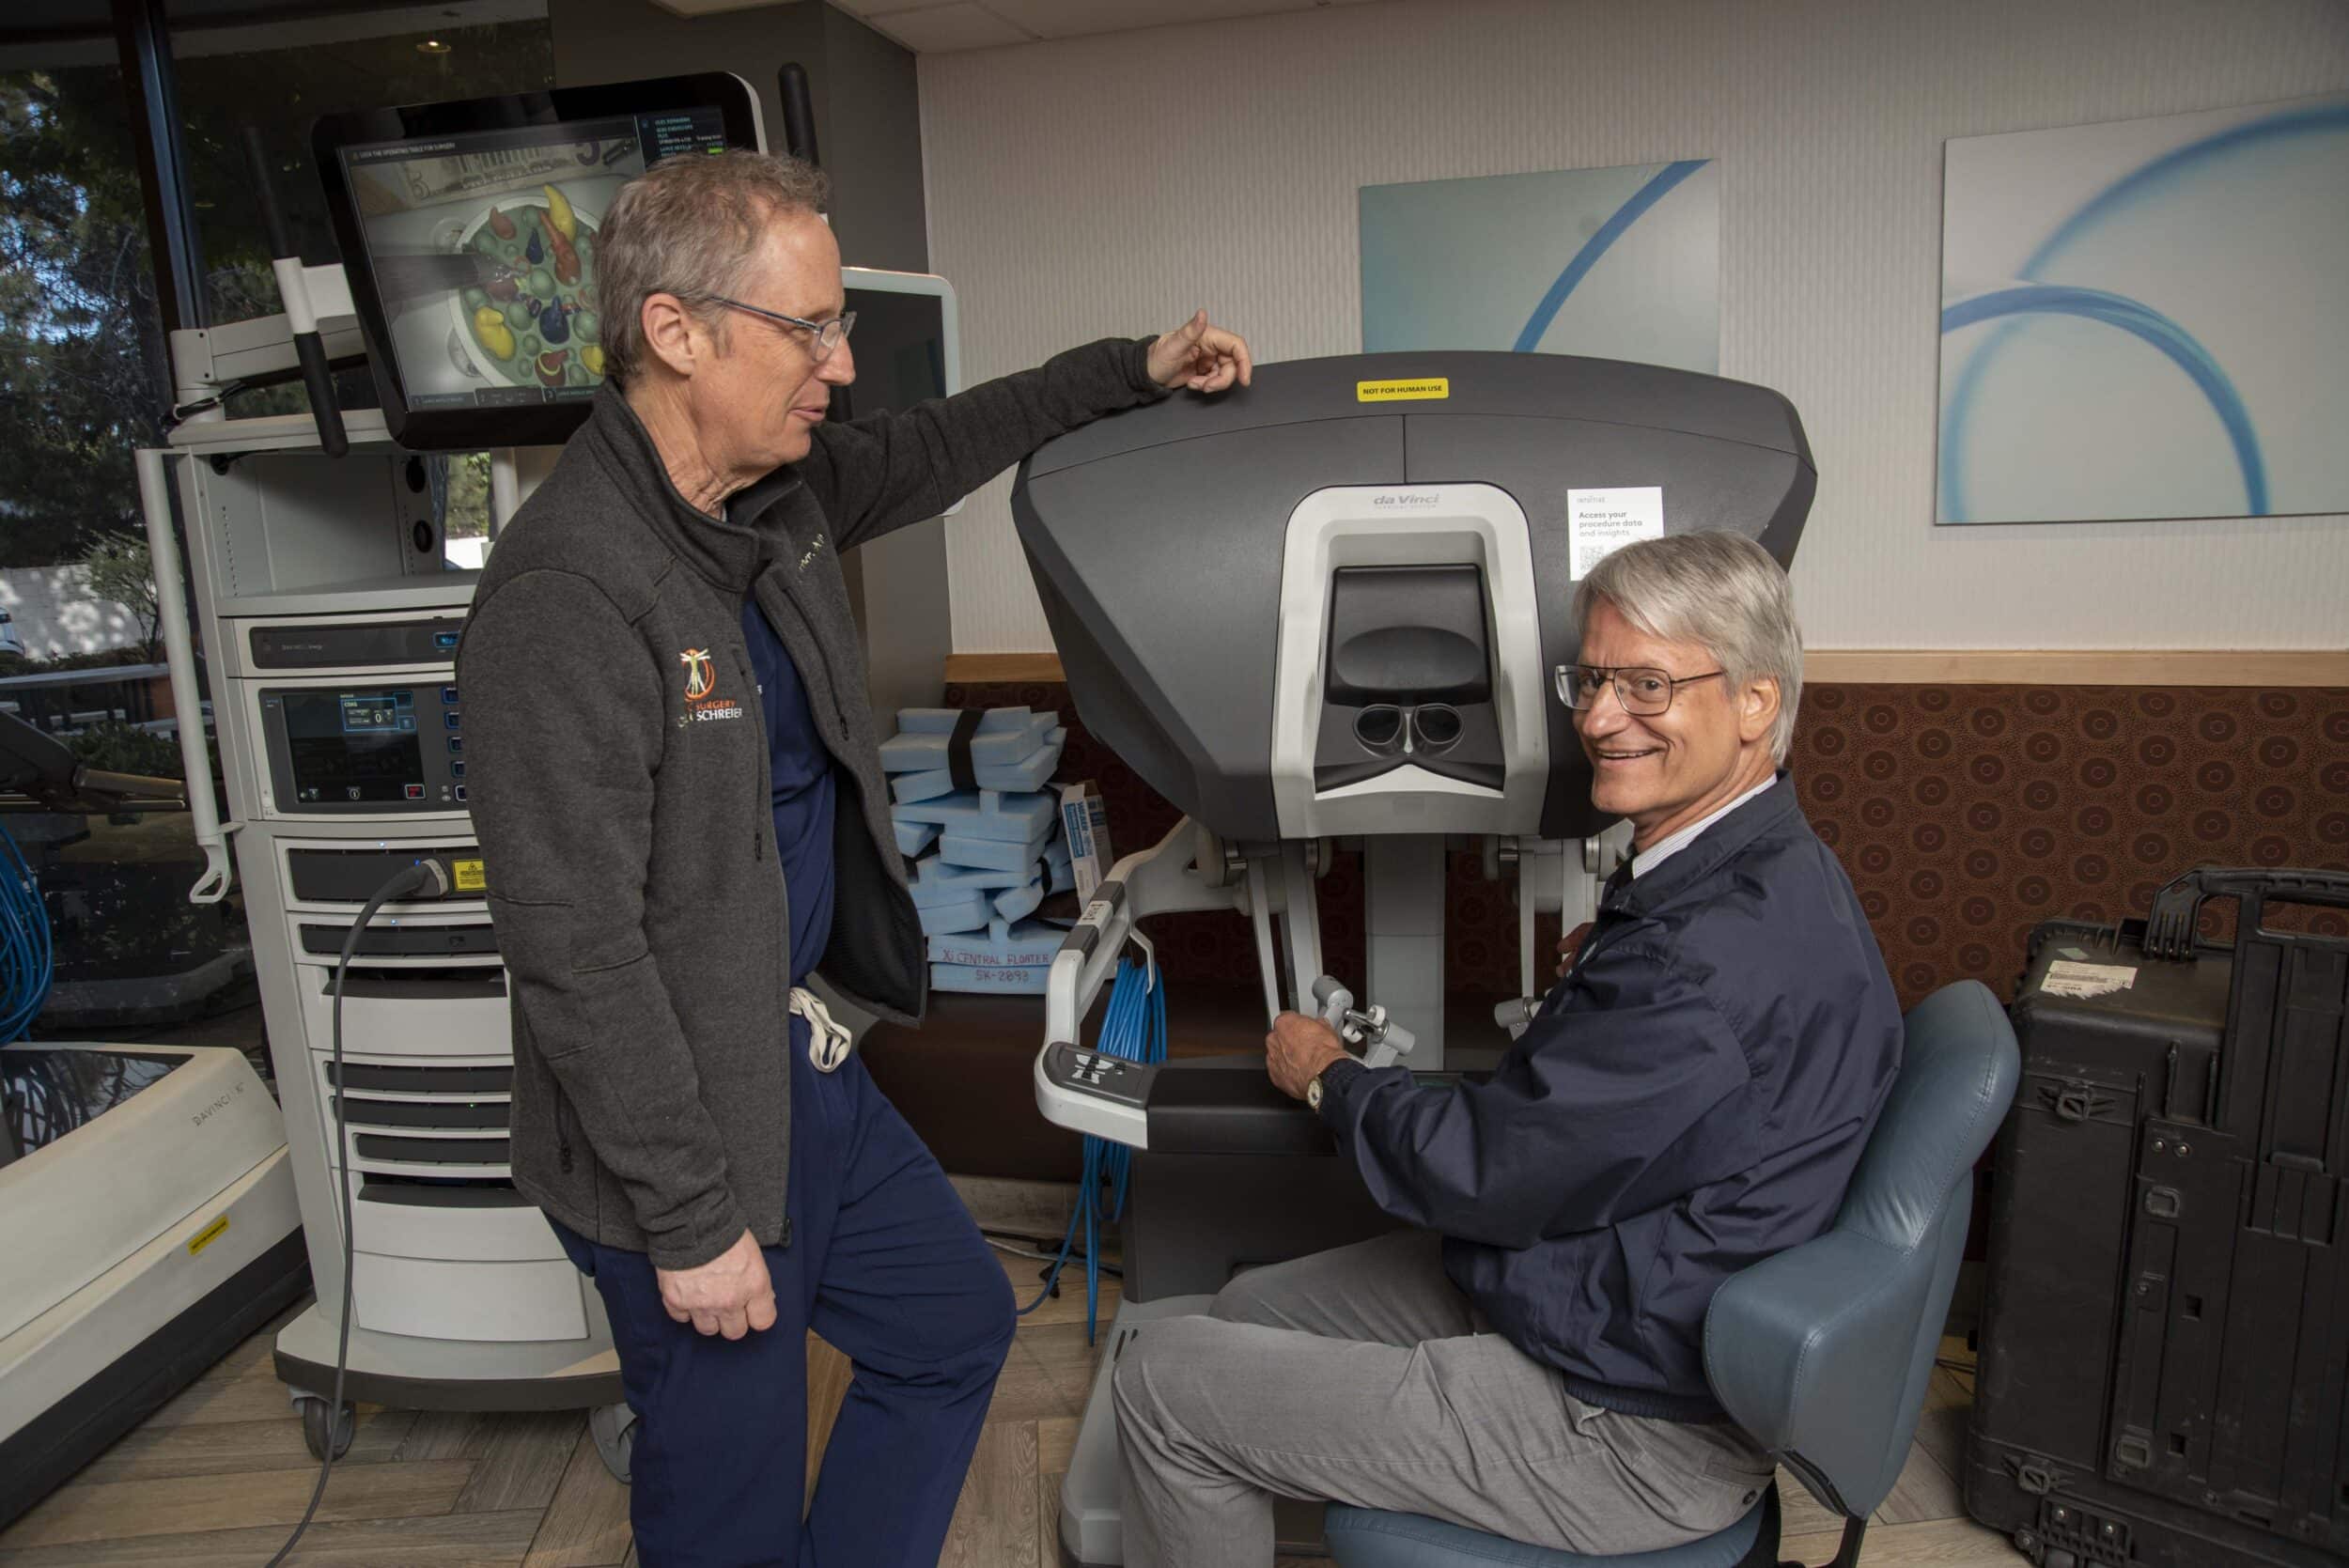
(2177, 909)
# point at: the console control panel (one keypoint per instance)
(366, 748)
(1111, 1078)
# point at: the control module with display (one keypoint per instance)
(350, 741)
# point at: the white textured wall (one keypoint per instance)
(56, 613)
(1108, 184)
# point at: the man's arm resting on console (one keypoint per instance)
(875, 474)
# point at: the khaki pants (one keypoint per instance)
(1360, 1376)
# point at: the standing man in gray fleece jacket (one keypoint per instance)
(678, 788)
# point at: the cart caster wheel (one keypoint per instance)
(314, 1427)
(613, 1428)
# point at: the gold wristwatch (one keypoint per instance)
(1319, 1088)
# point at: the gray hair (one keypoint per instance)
(1718, 589)
(688, 226)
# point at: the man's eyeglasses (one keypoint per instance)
(828, 335)
(1643, 692)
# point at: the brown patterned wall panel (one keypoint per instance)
(1964, 814)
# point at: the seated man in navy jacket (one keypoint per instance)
(1691, 1098)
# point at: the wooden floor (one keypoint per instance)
(216, 1478)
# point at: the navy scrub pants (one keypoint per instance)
(885, 1263)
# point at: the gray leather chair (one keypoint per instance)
(1822, 1352)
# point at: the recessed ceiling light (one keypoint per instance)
(432, 46)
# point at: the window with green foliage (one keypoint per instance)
(85, 381)
(82, 356)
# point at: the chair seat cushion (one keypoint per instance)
(1367, 1538)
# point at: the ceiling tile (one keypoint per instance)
(941, 29)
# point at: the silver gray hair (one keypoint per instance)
(690, 226)
(1720, 590)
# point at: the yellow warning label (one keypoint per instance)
(471, 877)
(1428, 390)
(206, 1236)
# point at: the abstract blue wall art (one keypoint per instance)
(1620, 263)
(2147, 319)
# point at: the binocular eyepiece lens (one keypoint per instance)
(1435, 727)
(1379, 728)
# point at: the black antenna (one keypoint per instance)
(799, 140)
(308, 345)
(798, 114)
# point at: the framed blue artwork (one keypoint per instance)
(2147, 319)
(1620, 263)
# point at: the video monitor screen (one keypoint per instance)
(900, 352)
(470, 234)
(354, 746)
(907, 344)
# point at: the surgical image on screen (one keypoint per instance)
(483, 248)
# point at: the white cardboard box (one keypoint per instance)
(1084, 820)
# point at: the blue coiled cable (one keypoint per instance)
(1134, 1030)
(28, 961)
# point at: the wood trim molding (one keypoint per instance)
(1919, 667)
(2075, 667)
(975, 668)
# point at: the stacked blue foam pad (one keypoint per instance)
(987, 855)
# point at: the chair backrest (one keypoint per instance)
(1824, 1351)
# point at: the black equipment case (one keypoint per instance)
(2166, 1337)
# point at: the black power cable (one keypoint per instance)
(433, 878)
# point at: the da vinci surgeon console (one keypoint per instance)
(1328, 607)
